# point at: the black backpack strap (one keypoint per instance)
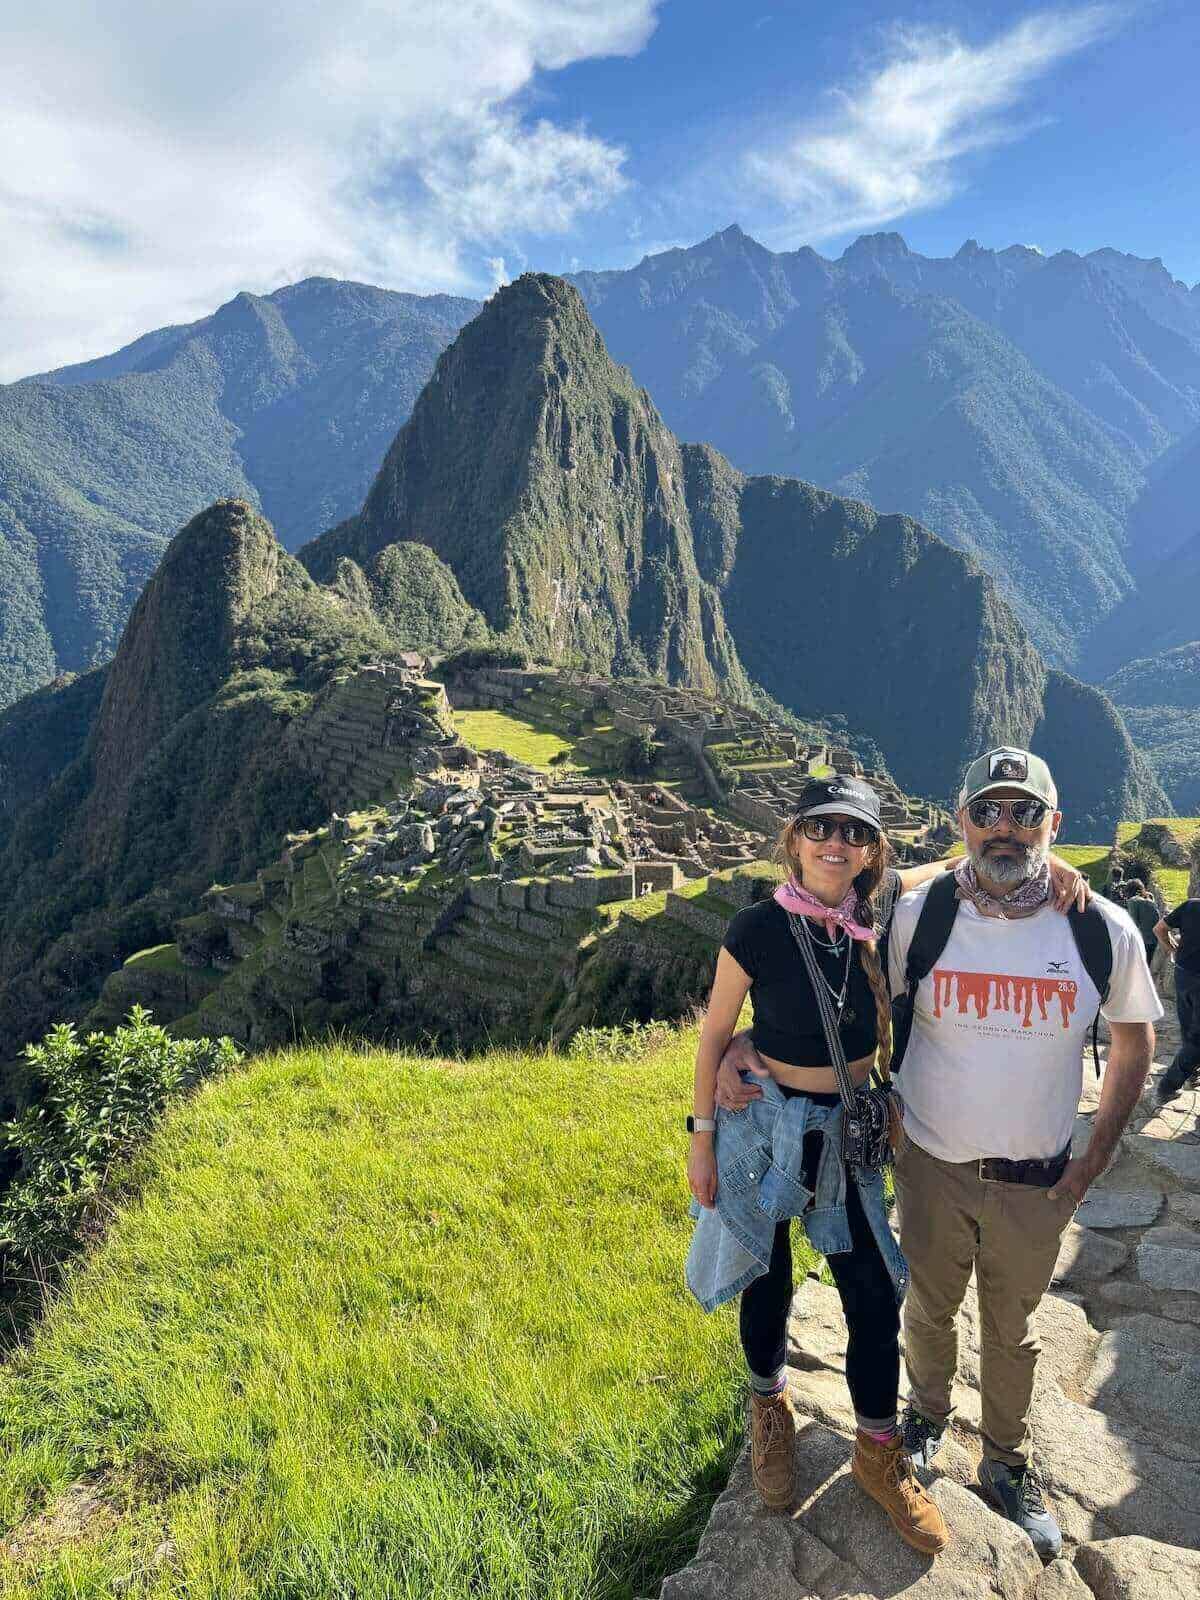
(889, 893)
(1095, 951)
(929, 939)
(884, 911)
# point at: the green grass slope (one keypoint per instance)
(389, 1326)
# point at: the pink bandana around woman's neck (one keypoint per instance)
(1022, 901)
(794, 897)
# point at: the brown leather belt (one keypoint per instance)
(1043, 1174)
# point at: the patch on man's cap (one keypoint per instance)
(1008, 767)
(1011, 766)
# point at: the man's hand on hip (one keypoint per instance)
(740, 1056)
(1078, 1176)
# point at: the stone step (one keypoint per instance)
(709, 924)
(471, 952)
(461, 954)
(393, 940)
(405, 919)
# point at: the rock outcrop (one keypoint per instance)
(177, 647)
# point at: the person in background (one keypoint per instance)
(1179, 935)
(1144, 912)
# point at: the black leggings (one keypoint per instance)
(868, 1301)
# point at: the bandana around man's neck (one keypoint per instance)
(1022, 901)
(794, 897)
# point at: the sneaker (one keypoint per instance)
(772, 1441)
(922, 1438)
(1018, 1492)
(1162, 1095)
(884, 1471)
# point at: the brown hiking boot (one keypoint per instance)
(772, 1440)
(887, 1475)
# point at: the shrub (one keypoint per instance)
(639, 754)
(628, 1041)
(100, 1097)
(483, 656)
(727, 775)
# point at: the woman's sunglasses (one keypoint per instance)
(1022, 813)
(818, 829)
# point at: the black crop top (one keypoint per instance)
(787, 1025)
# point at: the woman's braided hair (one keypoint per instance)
(880, 858)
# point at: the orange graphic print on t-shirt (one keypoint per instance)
(1003, 991)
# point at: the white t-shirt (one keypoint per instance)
(994, 1065)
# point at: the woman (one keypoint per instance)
(773, 1161)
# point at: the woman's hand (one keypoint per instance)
(1067, 886)
(702, 1170)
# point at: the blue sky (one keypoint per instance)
(1096, 146)
(157, 159)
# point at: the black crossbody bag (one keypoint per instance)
(867, 1118)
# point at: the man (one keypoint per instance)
(990, 1086)
(1179, 935)
(1144, 913)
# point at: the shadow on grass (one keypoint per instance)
(633, 1561)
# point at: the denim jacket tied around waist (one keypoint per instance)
(760, 1157)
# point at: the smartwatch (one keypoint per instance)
(700, 1124)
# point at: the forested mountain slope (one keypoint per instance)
(1009, 400)
(287, 400)
(1018, 404)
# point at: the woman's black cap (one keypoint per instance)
(840, 796)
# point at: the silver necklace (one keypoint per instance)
(838, 996)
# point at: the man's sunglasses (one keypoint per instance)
(818, 829)
(1028, 813)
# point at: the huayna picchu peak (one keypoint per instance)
(541, 475)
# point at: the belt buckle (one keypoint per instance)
(986, 1177)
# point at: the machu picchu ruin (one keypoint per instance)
(461, 892)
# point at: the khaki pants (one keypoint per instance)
(950, 1221)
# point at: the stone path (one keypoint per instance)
(1116, 1418)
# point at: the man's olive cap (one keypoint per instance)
(1008, 768)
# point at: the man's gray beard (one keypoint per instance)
(1008, 872)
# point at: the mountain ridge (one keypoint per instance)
(287, 401)
(290, 400)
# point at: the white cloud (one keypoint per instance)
(155, 159)
(891, 144)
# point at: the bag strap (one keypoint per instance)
(1094, 944)
(829, 1021)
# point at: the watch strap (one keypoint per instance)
(701, 1124)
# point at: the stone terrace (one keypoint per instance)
(457, 883)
